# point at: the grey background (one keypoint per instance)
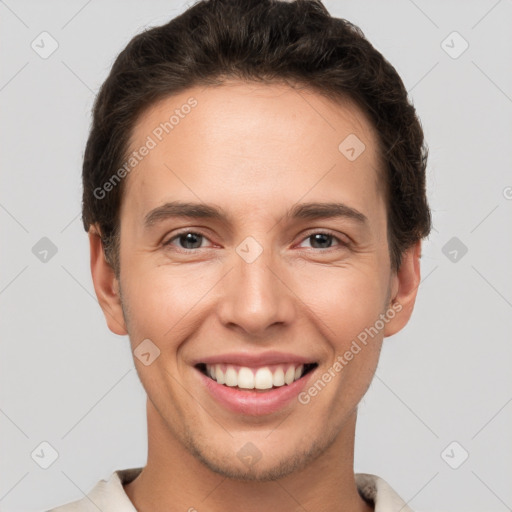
(66, 380)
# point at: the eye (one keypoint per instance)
(324, 240)
(191, 240)
(187, 240)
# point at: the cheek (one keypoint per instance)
(348, 308)
(346, 300)
(162, 299)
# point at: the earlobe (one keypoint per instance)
(106, 285)
(406, 283)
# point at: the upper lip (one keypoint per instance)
(254, 360)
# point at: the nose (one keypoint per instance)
(256, 296)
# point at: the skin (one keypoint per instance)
(255, 151)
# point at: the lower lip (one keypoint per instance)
(254, 403)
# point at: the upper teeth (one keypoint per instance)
(251, 378)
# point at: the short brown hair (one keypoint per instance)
(267, 41)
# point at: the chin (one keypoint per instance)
(252, 465)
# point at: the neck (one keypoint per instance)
(175, 480)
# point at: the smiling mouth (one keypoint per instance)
(264, 378)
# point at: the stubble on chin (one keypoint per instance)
(232, 466)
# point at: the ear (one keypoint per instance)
(404, 288)
(106, 285)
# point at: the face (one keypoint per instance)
(254, 256)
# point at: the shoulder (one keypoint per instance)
(378, 492)
(107, 494)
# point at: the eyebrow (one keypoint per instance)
(310, 211)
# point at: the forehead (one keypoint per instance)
(255, 139)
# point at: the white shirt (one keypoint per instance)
(109, 495)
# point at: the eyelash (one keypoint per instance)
(341, 243)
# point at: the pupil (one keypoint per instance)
(190, 238)
(321, 238)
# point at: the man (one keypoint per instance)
(254, 194)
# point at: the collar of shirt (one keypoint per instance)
(110, 495)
